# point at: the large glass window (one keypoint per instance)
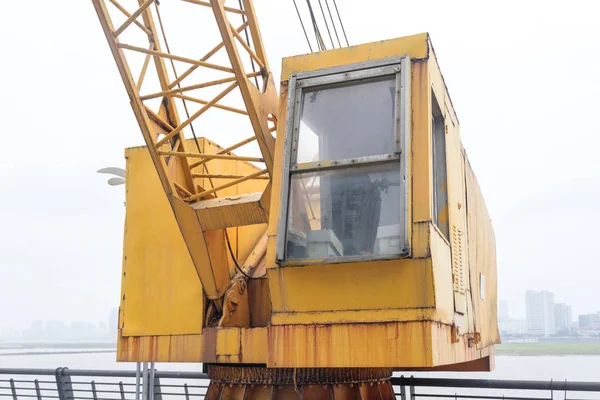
(344, 185)
(345, 212)
(440, 177)
(349, 121)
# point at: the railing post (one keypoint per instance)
(13, 389)
(157, 390)
(63, 384)
(402, 389)
(151, 382)
(122, 390)
(144, 381)
(187, 393)
(137, 380)
(412, 388)
(94, 393)
(38, 392)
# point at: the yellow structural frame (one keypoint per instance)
(422, 312)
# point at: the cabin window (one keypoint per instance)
(344, 184)
(440, 176)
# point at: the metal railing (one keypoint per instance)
(149, 384)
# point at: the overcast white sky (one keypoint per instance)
(524, 77)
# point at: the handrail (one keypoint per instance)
(22, 383)
(498, 384)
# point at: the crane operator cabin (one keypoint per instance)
(356, 245)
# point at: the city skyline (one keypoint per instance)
(519, 304)
(545, 318)
(49, 330)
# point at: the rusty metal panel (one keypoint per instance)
(351, 345)
(248, 345)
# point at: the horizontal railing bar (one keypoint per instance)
(102, 383)
(498, 384)
(27, 381)
(32, 395)
(100, 391)
(181, 374)
(29, 371)
(30, 388)
(97, 398)
(188, 394)
(180, 386)
(99, 373)
(466, 396)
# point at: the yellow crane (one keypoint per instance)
(357, 244)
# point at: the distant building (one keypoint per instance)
(502, 310)
(540, 313)
(510, 326)
(56, 330)
(589, 324)
(562, 317)
(113, 322)
(102, 329)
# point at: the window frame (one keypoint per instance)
(397, 67)
(439, 166)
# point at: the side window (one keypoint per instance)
(440, 176)
(343, 194)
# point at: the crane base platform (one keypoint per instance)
(237, 382)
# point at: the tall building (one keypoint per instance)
(502, 310)
(540, 313)
(589, 324)
(562, 317)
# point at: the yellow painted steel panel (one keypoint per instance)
(422, 178)
(482, 260)
(441, 260)
(416, 46)
(161, 293)
(228, 341)
(352, 286)
(367, 316)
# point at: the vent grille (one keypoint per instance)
(458, 259)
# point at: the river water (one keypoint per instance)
(558, 368)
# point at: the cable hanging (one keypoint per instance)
(333, 23)
(320, 41)
(164, 36)
(303, 29)
(326, 24)
(341, 23)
